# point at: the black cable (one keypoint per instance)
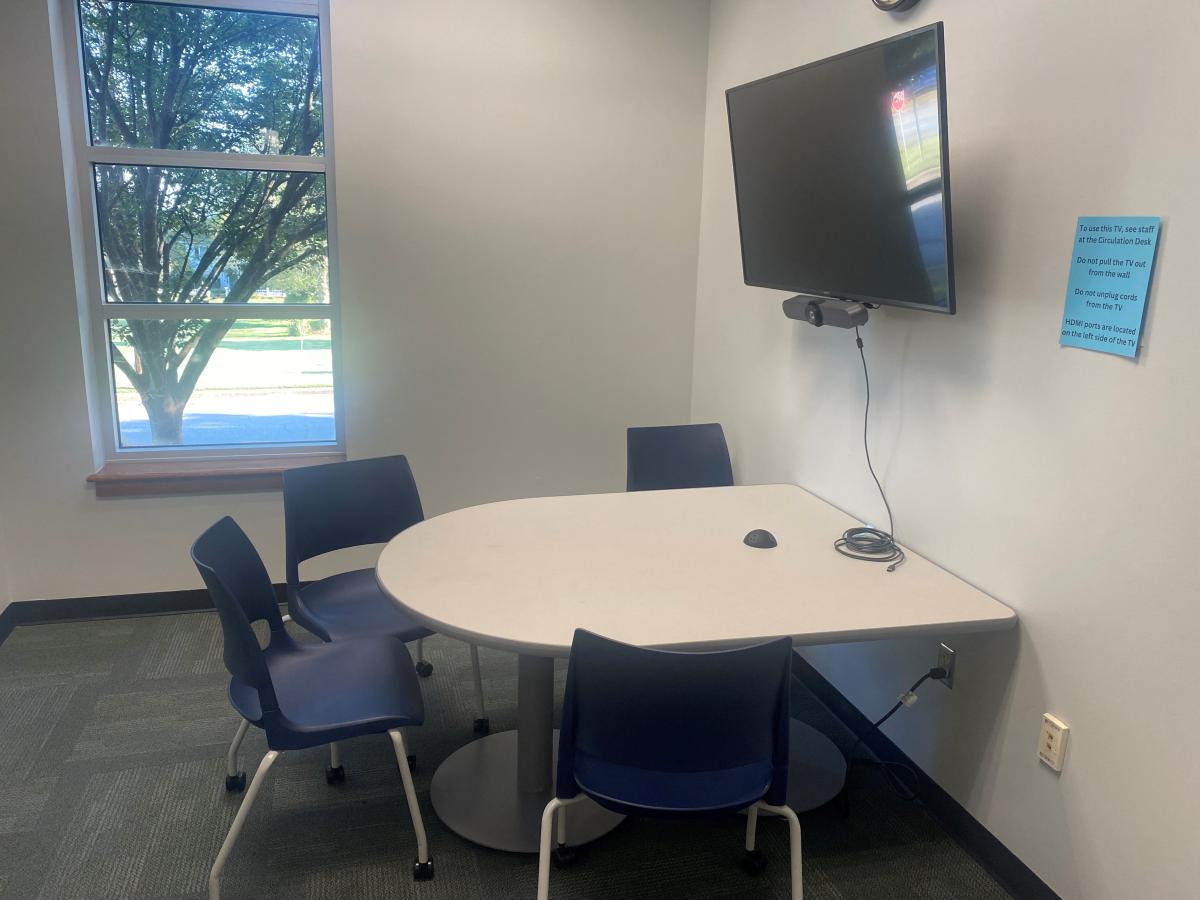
(871, 544)
(932, 673)
(891, 769)
(906, 788)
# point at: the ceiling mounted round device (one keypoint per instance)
(894, 5)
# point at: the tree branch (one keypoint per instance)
(119, 360)
(207, 342)
(122, 125)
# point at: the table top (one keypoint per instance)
(667, 569)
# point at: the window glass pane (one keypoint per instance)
(192, 78)
(222, 382)
(187, 235)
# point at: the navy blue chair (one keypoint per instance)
(664, 457)
(302, 695)
(668, 733)
(352, 504)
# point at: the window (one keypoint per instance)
(205, 174)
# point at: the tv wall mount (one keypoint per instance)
(820, 311)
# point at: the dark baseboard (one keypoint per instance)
(1017, 878)
(119, 606)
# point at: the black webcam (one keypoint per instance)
(817, 311)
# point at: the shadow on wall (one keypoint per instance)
(981, 178)
(948, 356)
(951, 734)
(981, 707)
(958, 736)
(1144, 347)
(963, 343)
(978, 708)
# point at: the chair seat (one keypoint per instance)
(352, 605)
(636, 791)
(331, 692)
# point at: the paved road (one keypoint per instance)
(277, 417)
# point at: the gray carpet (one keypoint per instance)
(113, 737)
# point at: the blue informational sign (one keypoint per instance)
(1111, 266)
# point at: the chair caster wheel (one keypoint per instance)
(335, 776)
(753, 863)
(563, 856)
(424, 668)
(423, 871)
(235, 784)
(482, 726)
(412, 763)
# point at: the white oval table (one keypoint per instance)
(657, 569)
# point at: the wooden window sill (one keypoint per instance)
(200, 476)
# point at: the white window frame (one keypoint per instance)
(94, 319)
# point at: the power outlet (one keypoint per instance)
(946, 658)
(1052, 743)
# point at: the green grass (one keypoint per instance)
(266, 334)
(270, 334)
(284, 343)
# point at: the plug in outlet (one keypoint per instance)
(946, 658)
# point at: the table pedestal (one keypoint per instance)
(817, 770)
(493, 790)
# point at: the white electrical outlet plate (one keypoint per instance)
(1052, 744)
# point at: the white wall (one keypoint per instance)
(1062, 482)
(518, 213)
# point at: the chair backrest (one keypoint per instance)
(346, 504)
(242, 592)
(677, 456)
(676, 711)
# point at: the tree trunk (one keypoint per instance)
(166, 418)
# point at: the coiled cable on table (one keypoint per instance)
(866, 543)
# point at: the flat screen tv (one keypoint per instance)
(842, 175)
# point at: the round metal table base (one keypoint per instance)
(474, 792)
(818, 769)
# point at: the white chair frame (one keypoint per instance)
(260, 774)
(559, 807)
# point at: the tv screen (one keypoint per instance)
(842, 177)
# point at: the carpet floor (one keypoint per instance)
(113, 736)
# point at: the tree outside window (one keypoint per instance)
(206, 145)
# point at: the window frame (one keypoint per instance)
(94, 318)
